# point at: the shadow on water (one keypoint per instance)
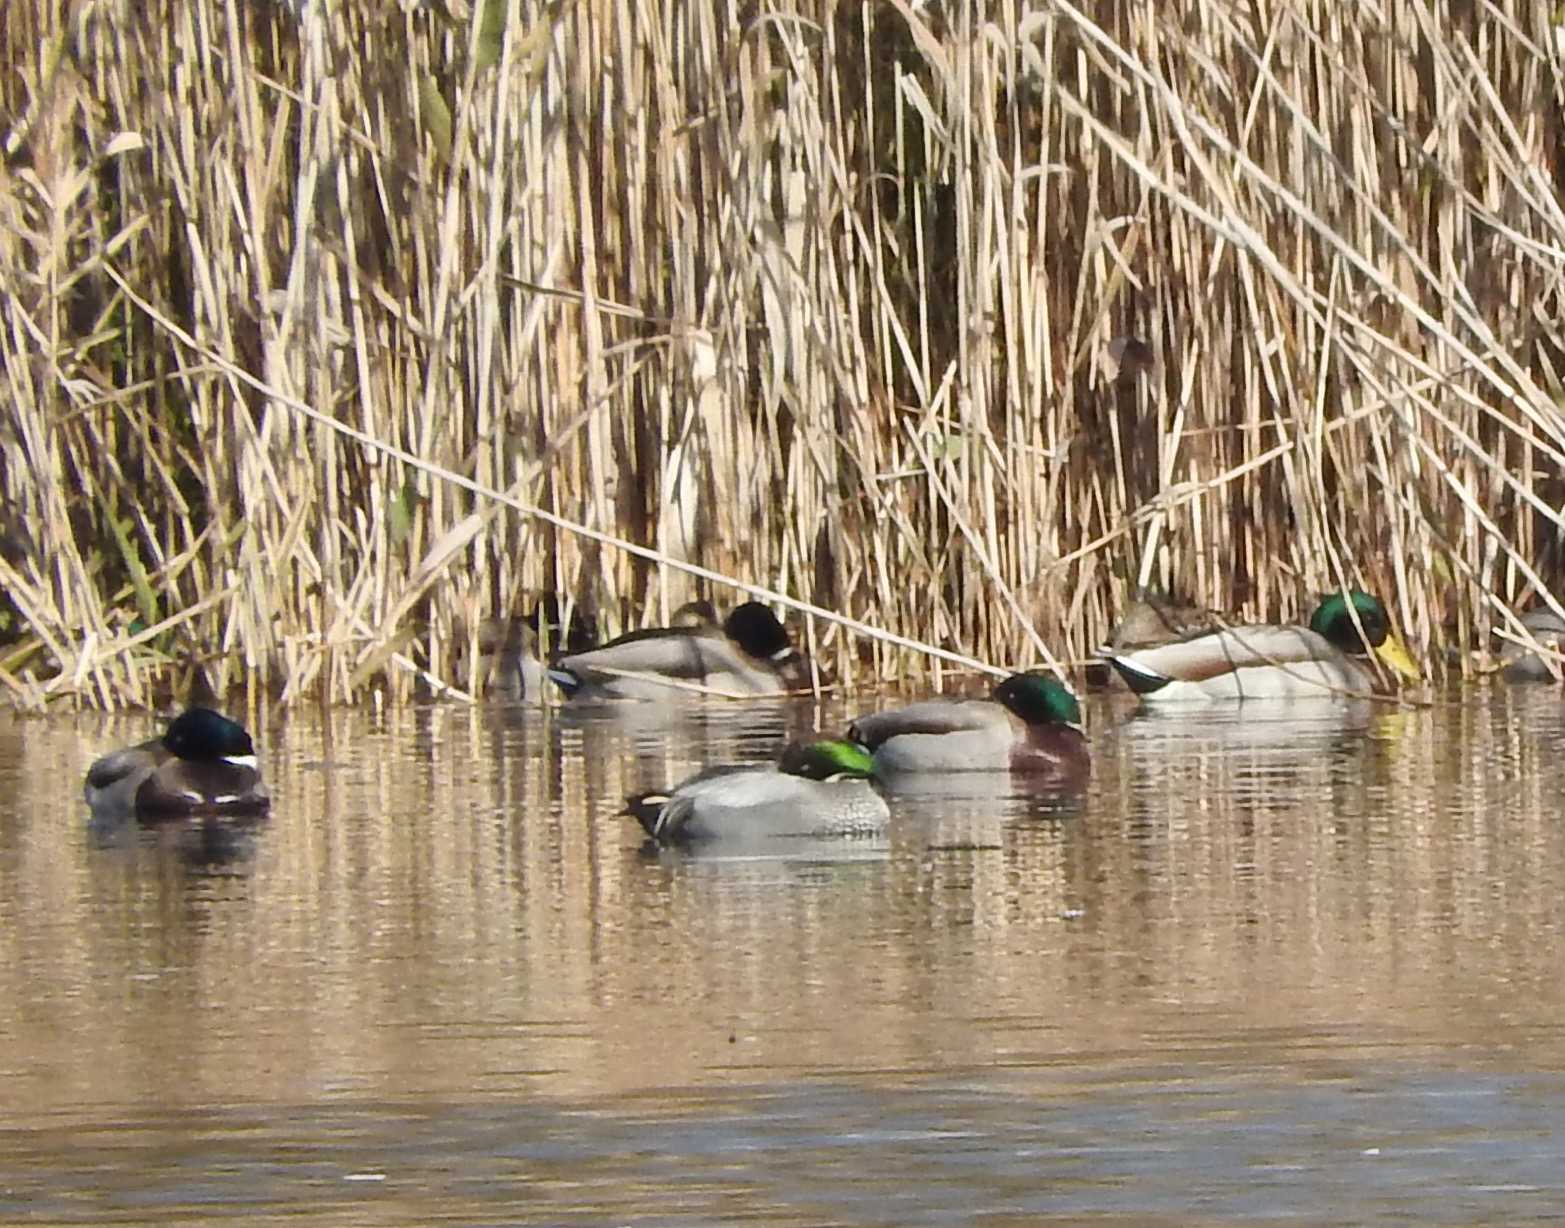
(1299, 966)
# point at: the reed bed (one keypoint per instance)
(331, 329)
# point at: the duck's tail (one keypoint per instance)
(1138, 677)
(564, 679)
(661, 816)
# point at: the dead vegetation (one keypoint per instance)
(330, 329)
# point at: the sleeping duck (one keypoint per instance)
(204, 764)
(750, 654)
(817, 789)
(1271, 661)
(1030, 724)
(1524, 665)
(511, 650)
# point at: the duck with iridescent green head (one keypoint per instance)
(817, 789)
(1031, 724)
(1266, 661)
(204, 764)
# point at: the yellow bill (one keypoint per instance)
(1394, 654)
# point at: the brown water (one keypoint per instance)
(1302, 971)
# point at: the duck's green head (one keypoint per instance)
(1334, 623)
(834, 760)
(1039, 699)
(204, 735)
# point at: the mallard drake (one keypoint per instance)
(1030, 724)
(816, 789)
(204, 764)
(749, 655)
(511, 650)
(1524, 665)
(1270, 662)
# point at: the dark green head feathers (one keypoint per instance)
(204, 736)
(1332, 620)
(833, 760)
(1038, 699)
(756, 629)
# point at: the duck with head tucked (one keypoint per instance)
(511, 651)
(204, 764)
(817, 789)
(1521, 663)
(749, 655)
(1258, 661)
(1030, 724)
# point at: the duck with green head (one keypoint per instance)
(1030, 724)
(204, 764)
(816, 789)
(1329, 656)
(750, 654)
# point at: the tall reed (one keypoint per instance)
(330, 329)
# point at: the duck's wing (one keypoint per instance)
(931, 716)
(662, 652)
(728, 669)
(666, 816)
(114, 778)
(1204, 657)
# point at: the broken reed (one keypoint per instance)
(964, 320)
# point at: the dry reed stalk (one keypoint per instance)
(338, 337)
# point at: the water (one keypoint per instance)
(1303, 971)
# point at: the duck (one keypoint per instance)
(816, 789)
(1262, 661)
(203, 764)
(1030, 724)
(750, 654)
(511, 650)
(1521, 664)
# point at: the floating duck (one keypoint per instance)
(1271, 661)
(816, 789)
(204, 764)
(750, 654)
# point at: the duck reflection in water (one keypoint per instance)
(210, 845)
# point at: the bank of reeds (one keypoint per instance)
(328, 328)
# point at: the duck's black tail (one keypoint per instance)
(564, 679)
(1137, 677)
(647, 809)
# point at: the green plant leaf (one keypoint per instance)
(146, 599)
(400, 510)
(493, 15)
(437, 116)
